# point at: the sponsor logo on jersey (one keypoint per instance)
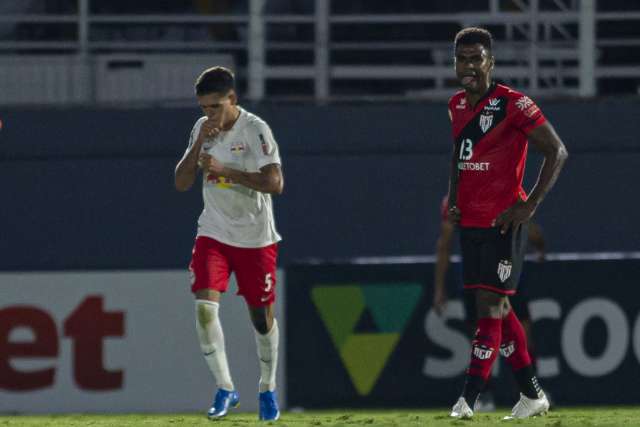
(473, 166)
(220, 181)
(482, 352)
(462, 104)
(507, 350)
(493, 105)
(524, 102)
(485, 122)
(504, 270)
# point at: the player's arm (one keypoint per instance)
(187, 168)
(268, 180)
(443, 251)
(454, 212)
(545, 139)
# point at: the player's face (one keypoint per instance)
(474, 64)
(218, 107)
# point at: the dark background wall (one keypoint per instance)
(93, 188)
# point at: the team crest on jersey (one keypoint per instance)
(504, 270)
(485, 122)
(238, 147)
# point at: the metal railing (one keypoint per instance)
(546, 52)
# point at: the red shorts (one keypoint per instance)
(212, 262)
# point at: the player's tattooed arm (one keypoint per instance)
(545, 139)
(268, 180)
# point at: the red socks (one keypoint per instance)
(508, 337)
(514, 343)
(485, 347)
(484, 350)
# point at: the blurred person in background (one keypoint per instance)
(240, 164)
(492, 125)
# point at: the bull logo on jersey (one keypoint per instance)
(485, 122)
(237, 148)
(220, 181)
(504, 270)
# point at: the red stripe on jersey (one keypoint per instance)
(492, 289)
(492, 140)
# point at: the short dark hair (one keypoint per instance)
(473, 35)
(215, 80)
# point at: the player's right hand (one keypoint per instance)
(439, 301)
(454, 215)
(209, 129)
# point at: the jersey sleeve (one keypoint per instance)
(263, 145)
(526, 114)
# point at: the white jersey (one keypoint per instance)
(235, 214)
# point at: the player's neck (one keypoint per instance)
(234, 118)
(474, 97)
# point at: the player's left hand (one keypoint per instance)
(210, 165)
(513, 216)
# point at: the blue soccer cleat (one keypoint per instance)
(222, 402)
(268, 406)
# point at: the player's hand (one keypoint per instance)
(209, 129)
(453, 215)
(210, 165)
(513, 216)
(439, 301)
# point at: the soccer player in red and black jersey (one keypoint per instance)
(492, 125)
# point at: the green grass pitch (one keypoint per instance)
(569, 417)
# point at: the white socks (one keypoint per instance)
(211, 340)
(268, 355)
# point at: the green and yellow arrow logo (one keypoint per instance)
(384, 309)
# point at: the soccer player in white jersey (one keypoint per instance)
(240, 165)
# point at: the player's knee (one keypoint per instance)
(261, 324)
(490, 304)
(206, 320)
(206, 312)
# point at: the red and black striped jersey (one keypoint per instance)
(491, 147)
